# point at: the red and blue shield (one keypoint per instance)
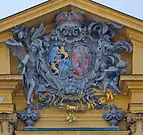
(61, 63)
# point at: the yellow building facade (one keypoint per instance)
(58, 120)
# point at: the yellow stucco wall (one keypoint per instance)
(4, 59)
(54, 117)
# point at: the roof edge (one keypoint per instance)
(89, 6)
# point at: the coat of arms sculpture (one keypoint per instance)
(68, 66)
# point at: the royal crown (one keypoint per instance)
(69, 16)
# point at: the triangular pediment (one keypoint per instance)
(45, 13)
(74, 62)
(51, 7)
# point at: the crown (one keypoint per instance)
(69, 16)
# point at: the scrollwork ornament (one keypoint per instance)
(29, 116)
(67, 65)
(132, 118)
(131, 122)
(114, 116)
(1, 126)
(11, 118)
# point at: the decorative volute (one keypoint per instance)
(72, 56)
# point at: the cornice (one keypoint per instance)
(89, 6)
(32, 13)
(129, 82)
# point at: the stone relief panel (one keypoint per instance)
(67, 67)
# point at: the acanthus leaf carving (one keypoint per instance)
(65, 66)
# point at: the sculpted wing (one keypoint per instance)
(16, 47)
(37, 32)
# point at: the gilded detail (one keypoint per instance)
(72, 64)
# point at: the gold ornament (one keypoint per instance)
(71, 117)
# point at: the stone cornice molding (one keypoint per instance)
(97, 9)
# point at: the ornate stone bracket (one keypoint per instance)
(29, 116)
(11, 118)
(114, 116)
(132, 119)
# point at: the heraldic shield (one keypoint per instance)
(68, 66)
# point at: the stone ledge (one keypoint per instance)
(132, 85)
(135, 107)
(11, 81)
(6, 107)
(128, 83)
(72, 132)
(10, 77)
(73, 129)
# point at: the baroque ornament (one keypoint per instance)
(114, 116)
(29, 116)
(71, 64)
(11, 118)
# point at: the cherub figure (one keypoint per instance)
(32, 63)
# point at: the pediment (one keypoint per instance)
(51, 7)
(73, 64)
(77, 55)
(45, 13)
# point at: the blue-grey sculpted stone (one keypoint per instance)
(114, 116)
(76, 57)
(29, 116)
